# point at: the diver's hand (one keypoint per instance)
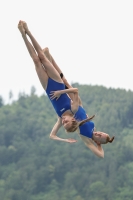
(70, 140)
(55, 94)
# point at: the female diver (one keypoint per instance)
(51, 81)
(70, 113)
(87, 132)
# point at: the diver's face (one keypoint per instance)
(67, 121)
(100, 137)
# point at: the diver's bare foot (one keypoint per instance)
(45, 50)
(20, 27)
(25, 27)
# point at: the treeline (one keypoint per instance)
(33, 167)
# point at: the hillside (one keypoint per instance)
(33, 167)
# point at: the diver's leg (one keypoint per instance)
(51, 59)
(51, 71)
(43, 77)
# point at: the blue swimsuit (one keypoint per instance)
(87, 128)
(64, 103)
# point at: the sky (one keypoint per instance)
(91, 41)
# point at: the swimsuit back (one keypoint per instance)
(87, 128)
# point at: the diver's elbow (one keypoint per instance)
(51, 136)
(76, 90)
(101, 156)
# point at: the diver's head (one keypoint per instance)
(101, 137)
(70, 123)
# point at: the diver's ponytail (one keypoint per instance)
(76, 124)
(111, 139)
(86, 120)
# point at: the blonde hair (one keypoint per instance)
(76, 124)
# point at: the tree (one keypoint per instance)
(1, 101)
(33, 91)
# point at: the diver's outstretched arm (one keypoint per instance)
(97, 150)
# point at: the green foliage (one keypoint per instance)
(33, 167)
(1, 101)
